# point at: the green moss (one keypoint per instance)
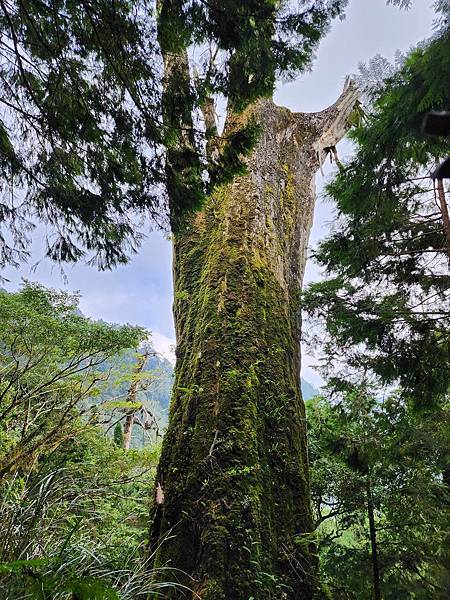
(233, 465)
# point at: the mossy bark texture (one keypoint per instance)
(232, 511)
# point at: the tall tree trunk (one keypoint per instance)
(232, 498)
(373, 543)
(132, 398)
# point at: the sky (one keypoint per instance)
(141, 292)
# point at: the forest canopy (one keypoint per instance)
(379, 438)
(85, 125)
(385, 300)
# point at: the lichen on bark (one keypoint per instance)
(236, 521)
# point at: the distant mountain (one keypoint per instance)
(308, 390)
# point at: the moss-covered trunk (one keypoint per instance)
(232, 509)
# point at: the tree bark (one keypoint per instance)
(232, 508)
(373, 543)
(444, 212)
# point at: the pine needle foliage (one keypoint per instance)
(85, 126)
(385, 301)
